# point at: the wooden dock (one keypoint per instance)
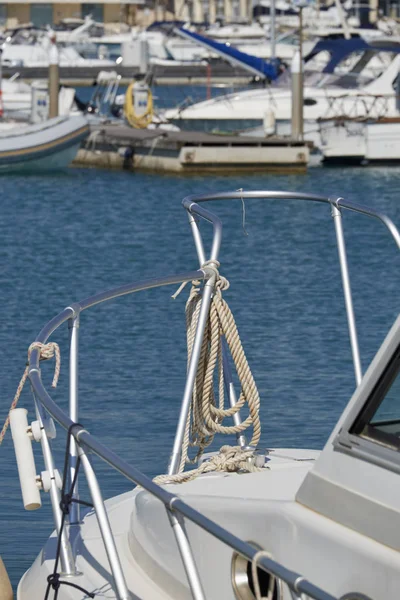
(120, 146)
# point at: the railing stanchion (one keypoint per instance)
(105, 528)
(186, 553)
(337, 219)
(175, 459)
(66, 557)
(73, 325)
(198, 242)
(229, 385)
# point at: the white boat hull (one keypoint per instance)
(142, 533)
(361, 142)
(260, 507)
(47, 146)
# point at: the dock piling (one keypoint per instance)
(297, 97)
(144, 54)
(54, 78)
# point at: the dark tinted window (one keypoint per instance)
(380, 418)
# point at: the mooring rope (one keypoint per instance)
(229, 459)
(47, 351)
(206, 416)
(53, 580)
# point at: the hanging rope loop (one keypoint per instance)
(208, 411)
(222, 284)
(47, 351)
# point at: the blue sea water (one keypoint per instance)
(67, 236)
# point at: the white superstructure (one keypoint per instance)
(325, 96)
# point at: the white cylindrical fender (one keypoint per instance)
(269, 122)
(25, 458)
(6, 592)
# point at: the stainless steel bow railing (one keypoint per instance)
(83, 440)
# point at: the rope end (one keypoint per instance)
(178, 291)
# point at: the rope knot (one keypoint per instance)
(222, 283)
(229, 459)
(65, 503)
(48, 351)
(54, 581)
(234, 458)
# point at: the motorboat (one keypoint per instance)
(93, 40)
(46, 146)
(352, 77)
(72, 29)
(29, 47)
(255, 39)
(241, 523)
(16, 96)
(25, 55)
(287, 14)
(235, 32)
(284, 48)
(349, 141)
(29, 102)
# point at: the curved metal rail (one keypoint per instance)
(192, 205)
(337, 201)
(176, 508)
(173, 503)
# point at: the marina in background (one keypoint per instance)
(307, 90)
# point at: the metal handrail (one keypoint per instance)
(192, 205)
(86, 440)
(173, 503)
(176, 507)
(337, 201)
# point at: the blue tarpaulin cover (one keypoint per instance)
(254, 64)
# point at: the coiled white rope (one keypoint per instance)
(206, 415)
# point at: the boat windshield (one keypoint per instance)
(379, 420)
(357, 70)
